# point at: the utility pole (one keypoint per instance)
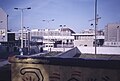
(95, 24)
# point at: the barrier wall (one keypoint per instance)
(25, 68)
(100, 50)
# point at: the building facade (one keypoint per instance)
(3, 25)
(112, 34)
(83, 39)
(87, 38)
(48, 38)
(60, 37)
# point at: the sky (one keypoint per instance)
(75, 14)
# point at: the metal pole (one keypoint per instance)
(28, 42)
(62, 39)
(117, 36)
(95, 26)
(25, 32)
(21, 32)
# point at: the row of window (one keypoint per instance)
(50, 33)
(49, 46)
(113, 43)
(83, 37)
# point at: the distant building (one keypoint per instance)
(55, 38)
(112, 34)
(84, 38)
(62, 37)
(87, 38)
(48, 38)
(3, 25)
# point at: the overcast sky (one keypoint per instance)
(72, 13)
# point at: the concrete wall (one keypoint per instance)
(60, 69)
(100, 50)
(83, 43)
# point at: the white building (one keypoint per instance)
(55, 38)
(87, 38)
(112, 34)
(83, 39)
(3, 25)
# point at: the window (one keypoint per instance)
(85, 45)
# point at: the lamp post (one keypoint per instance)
(22, 9)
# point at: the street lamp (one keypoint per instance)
(22, 9)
